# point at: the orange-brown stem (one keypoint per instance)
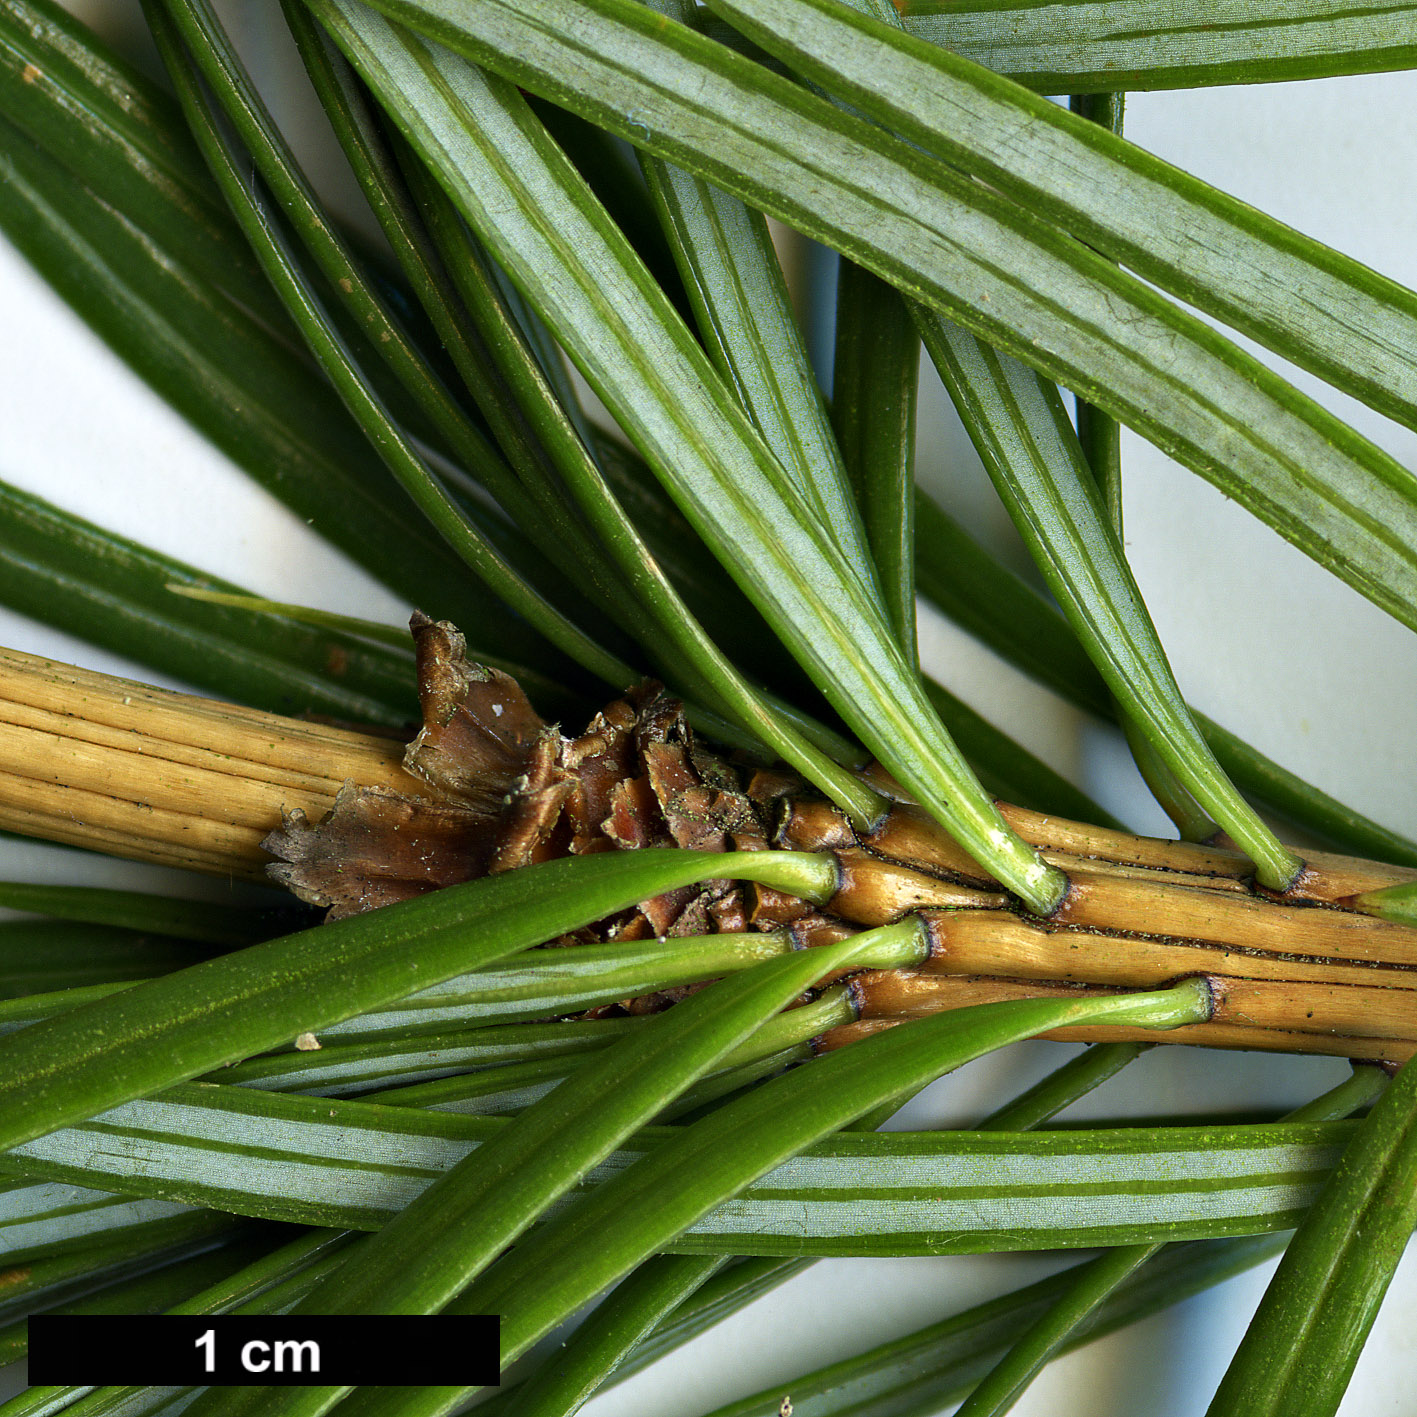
(486, 786)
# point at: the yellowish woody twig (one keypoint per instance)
(96, 761)
(144, 773)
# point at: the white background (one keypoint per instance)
(1260, 640)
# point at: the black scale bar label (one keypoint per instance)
(170, 1350)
